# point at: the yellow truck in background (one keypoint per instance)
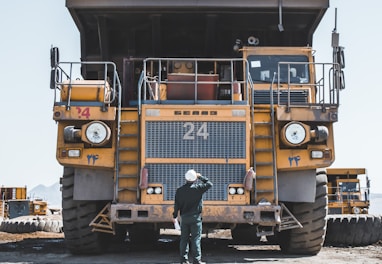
(228, 88)
(348, 190)
(14, 203)
(349, 222)
(10, 193)
(20, 214)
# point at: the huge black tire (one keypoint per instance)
(29, 224)
(77, 216)
(353, 230)
(245, 234)
(309, 239)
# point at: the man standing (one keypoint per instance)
(189, 201)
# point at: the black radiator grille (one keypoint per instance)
(166, 139)
(296, 97)
(172, 177)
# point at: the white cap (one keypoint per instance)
(191, 175)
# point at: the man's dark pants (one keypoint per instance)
(191, 224)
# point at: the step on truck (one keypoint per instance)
(228, 88)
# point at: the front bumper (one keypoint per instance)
(265, 215)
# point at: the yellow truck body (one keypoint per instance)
(346, 193)
(14, 203)
(257, 120)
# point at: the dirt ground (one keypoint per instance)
(43, 247)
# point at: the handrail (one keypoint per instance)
(119, 111)
(274, 166)
(62, 77)
(339, 195)
(326, 84)
(153, 76)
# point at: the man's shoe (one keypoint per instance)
(185, 262)
(198, 262)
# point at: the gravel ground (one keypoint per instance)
(44, 247)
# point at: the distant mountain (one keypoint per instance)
(375, 195)
(51, 194)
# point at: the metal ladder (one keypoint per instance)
(265, 161)
(264, 152)
(127, 169)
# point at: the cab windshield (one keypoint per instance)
(349, 186)
(264, 67)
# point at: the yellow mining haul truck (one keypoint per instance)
(349, 199)
(19, 214)
(14, 203)
(228, 88)
(346, 193)
(10, 193)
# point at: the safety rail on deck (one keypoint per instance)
(193, 81)
(324, 86)
(335, 194)
(72, 89)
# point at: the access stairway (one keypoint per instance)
(128, 157)
(265, 163)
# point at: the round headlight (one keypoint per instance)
(356, 210)
(232, 191)
(295, 133)
(97, 133)
(37, 207)
(240, 190)
(158, 190)
(150, 190)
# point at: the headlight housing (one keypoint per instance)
(232, 191)
(96, 133)
(236, 190)
(154, 190)
(158, 190)
(356, 210)
(150, 190)
(295, 134)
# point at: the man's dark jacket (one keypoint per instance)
(189, 197)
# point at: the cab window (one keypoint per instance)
(263, 67)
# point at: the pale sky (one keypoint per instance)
(28, 132)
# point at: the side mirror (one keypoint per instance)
(54, 57)
(341, 57)
(54, 60)
(53, 78)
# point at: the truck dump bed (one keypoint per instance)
(113, 29)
